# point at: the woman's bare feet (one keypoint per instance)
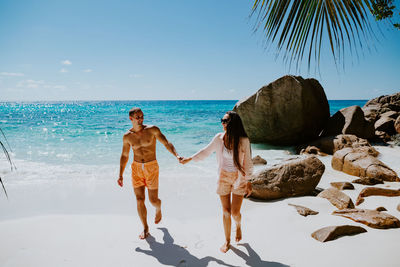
(238, 234)
(158, 216)
(225, 247)
(144, 234)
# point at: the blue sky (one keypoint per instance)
(175, 49)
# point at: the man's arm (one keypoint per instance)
(124, 159)
(163, 140)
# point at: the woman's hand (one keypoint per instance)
(185, 160)
(249, 189)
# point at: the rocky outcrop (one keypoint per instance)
(372, 218)
(339, 199)
(331, 144)
(288, 111)
(294, 177)
(376, 191)
(383, 112)
(363, 163)
(257, 160)
(342, 185)
(333, 232)
(385, 124)
(304, 211)
(349, 120)
(374, 108)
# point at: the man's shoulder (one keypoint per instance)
(152, 128)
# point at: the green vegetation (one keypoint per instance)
(298, 26)
(12, 165)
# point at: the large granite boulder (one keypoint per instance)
(349, 120)
(374, 108)
(294, 177)
(333, 232)
(372, 218)
(288, 111)
(362, 162)
(331, 144)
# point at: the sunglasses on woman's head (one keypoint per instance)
(224, 121)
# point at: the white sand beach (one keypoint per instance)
(98, 226)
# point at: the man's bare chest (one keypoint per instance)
(142, 139)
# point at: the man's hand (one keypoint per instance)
(185, 160)
(120, 181)
(179, 158)
(249, 189)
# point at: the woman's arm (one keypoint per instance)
(205, 152)
(247, 162)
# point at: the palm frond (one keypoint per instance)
(298, 26)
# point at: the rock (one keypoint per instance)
(304, 211)
(397, 125)
(381, 209)
(339, 199)
(311, 150)
(362, 162)
(349, 120)
(390, 114)
(367, 181)
(376, 191)
(333, 232)
(288, 111)
(398, 207)
(385, 124)
(342, 185)
(257, 160)
(331, 144)
(376, 107)
(372, 218)
(295, 177)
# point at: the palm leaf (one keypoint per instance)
(300, 27)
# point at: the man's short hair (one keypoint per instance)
(133, 111)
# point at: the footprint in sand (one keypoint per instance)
(182, 263)
(199, 244)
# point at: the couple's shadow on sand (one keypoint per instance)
(171, 254)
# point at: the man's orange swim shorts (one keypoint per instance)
(145, 174)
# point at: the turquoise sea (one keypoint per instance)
(91, 132)
(67, 155)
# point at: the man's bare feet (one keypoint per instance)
(158, 216)
(144, 234)
(238, 234)
(225, 247)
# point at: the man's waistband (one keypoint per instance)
(144, 163)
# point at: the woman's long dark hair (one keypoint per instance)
(234, 130)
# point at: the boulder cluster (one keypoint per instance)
(295, 111)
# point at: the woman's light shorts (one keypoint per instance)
(230, 182)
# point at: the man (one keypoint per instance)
(142, 138)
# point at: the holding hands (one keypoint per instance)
(185, 160)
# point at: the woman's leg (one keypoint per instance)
(235, 211)
(226, 212)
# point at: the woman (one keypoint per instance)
(234, 169)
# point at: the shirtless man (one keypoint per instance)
(142, 138)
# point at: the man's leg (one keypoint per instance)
(226, 210)
(156, 202)
(142, 211)
(236, 205)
